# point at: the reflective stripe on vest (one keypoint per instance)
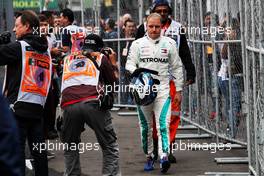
(175, 113)
(36, 75)
(79, 70)
(4, 87)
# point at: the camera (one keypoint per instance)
(106, 51)
(5, 37)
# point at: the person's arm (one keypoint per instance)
(176, 66)
(10, 53)
(177, 71)
(140, 31)
(132, 58)
(224, 51)
(66, 40)
(185, 55)
(112, 58)
(55, 52)
(107, 72)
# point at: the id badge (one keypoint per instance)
(124, 53)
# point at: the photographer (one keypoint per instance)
(27, 83)
(85, 74)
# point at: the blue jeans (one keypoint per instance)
(236, 93)
(233, 115)
(224, 90)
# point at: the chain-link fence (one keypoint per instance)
(215, 102)
(253, 50)
(227, 99)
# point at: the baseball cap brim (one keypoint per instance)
(89, 48)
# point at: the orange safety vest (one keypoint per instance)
(36, 75)
(80, 70)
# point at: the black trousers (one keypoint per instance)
(32, 130)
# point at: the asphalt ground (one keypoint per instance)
(132, 159)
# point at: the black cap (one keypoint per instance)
(157, 3)
(93, 43)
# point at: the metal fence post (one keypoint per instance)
(82, 13)
(260, 103)
(254, 85)
(230, 113)
(215, 91)
(175, 9)
(243, 29)
(118, 47)
(203, 55)
(140, 11)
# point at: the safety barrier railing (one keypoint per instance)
(253, 53)
(242, 120)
